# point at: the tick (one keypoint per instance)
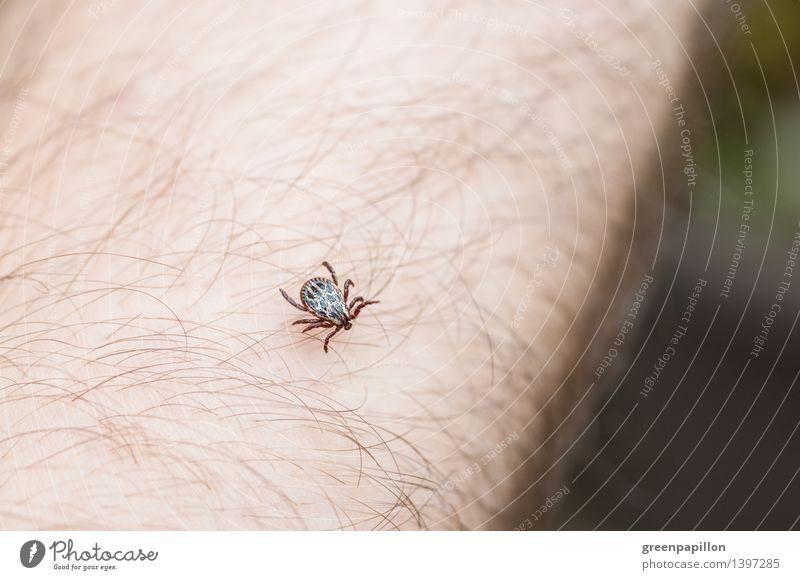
(323, 299)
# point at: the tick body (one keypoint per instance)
(323, 299)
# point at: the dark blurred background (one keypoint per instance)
(715, 443)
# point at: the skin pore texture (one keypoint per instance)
(166, 167)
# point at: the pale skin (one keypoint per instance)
(167, 167)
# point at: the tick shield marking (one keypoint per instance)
(323, 299)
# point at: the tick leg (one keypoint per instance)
(347, 284)
(292, 302)
(317, 324)
(356, 300)
(306, 321)
(332, 271)
(362, 305)
(330, 336)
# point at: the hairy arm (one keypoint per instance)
(167, 168)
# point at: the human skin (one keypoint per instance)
(168, 167)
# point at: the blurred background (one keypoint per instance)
(714, 444)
